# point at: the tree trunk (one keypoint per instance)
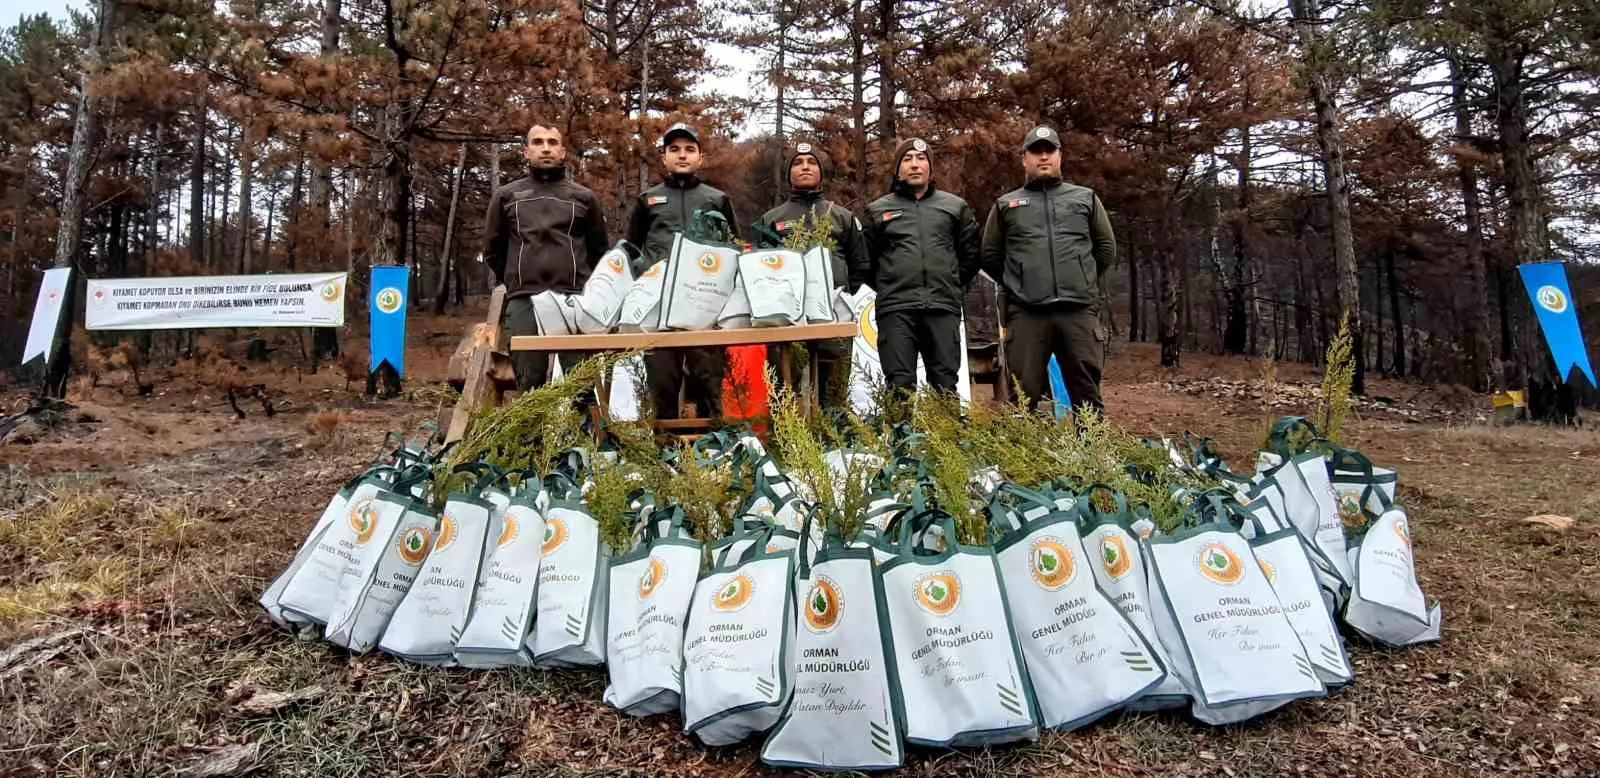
(1236, 333)
(1522, 189)
(644, 107)
(69, 230)
(780, 173)
(292, 242)
(1170, 277)
(887, 126)
(858, 101)
(1393, 282)
(1483, 377)
(1133, 289)
(247, 205)
(197, 182)
(447, 255)
(1324, 98)
(222, 251)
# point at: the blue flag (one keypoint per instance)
(1558, 316)
(387, 303)
(1058, 389)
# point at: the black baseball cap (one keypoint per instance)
(679, 129)
(1041, 134)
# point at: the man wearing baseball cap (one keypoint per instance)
(660, 211)
(1049, 243)
(923, 245)
(806, 207)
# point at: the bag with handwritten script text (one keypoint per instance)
(959, 669)
(1225, 632)
(1084, 659)
(737, 650)
(845, 712)
(362, 487)
(383, 569)
(502, 612)
(650, 591)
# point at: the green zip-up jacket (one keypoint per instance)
(850, 261)
(924, 250)
(666, 208)
(1049, 242)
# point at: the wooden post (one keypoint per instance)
(480, 384)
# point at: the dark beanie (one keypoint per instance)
(808, 147)
(907, 145)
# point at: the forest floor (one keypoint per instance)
(135, 540)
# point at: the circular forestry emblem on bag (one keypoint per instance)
(938, 593)
(388, 299)
(364, 520)
(653, 272)
(654, 574)
(414, 545)
(555, 533)
(1404, 531)
(1051, 564)
(823, 605)
(1114, 555)
(447, 532)
(734, 595)
(614, 264)
(1219, 563)
(710, 262)
(868, 327)
(773, 261)
(1268, 570)
(508, 531)
(330, 291)
(1349, 508)
(1552, 299)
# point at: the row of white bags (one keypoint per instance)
(698, 286)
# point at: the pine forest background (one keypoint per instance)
(1270, 168)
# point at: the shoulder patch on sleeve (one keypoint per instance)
(654, 200)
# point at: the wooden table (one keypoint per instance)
(486, 375)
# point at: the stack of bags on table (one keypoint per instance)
(842, 646)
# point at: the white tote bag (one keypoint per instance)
(1227, 635)
(650, 591)
(1120, 569)
(308, 594)
(735, 313)
(738, 647)
(1286, 495)
(555, 313)
(600, 305)
(570, 628)
(958, 667)
(1387, 604)
(431, 617)
(371, 590)
(845, 712)
(1283, 559)
(819, 285)
(335, 511)
(1084, 659)
(698, 281)
(1364, 491)
(775, 283)
(641, 306)
(508, 584)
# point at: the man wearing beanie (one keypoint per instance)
(806, 207)
(1048, 244)
(923, 245)
(544, 232)
(660, 211)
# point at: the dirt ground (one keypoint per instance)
(133, 547)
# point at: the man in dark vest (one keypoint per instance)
(806, 207)
(1048, 244)
(544, 232)
(660, 211)
(923, 244)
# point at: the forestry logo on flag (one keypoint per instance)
(387, 316)
(555, 533)
(508, 532)
(823, 605)
(414, 545)
(447, 533)
(939, 593)
(734, 594)
(1114, 555)
(364, 520)
(1218, 563)
(1051, 564)
(654, 574)
(388, 299)
(1558, 317)
(1552, 299)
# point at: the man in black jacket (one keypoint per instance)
(1048, 244)
(806, 207)
(923, 244)
(660, 211)
(544, 232)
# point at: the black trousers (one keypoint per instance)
(1070, 332)
(698, 371)
(904, 335)
(532, 367)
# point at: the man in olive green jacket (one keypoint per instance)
(1048, 244)
(923, 243)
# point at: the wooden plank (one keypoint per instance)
(479, 388)
(627, 341)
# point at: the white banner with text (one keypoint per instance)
(192, 302)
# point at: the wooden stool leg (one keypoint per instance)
(816, 379)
